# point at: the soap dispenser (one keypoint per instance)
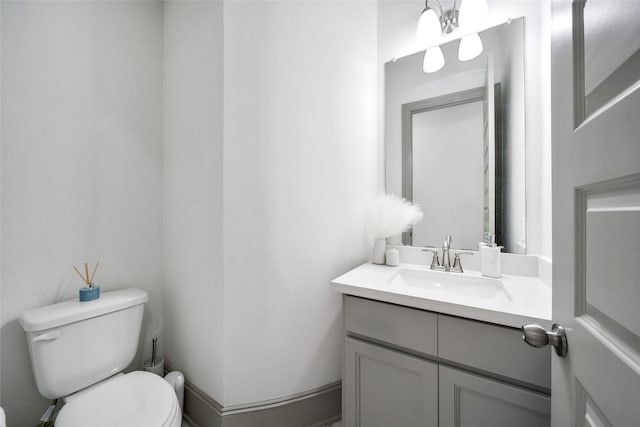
(490, 257)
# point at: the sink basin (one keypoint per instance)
(449, 283)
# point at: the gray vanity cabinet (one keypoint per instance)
(388, 388)
(406, 367)
(469, 400)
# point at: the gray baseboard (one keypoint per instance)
(316, 407)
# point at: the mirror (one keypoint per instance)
(455, 142)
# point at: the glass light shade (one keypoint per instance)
(428, 26)
(433, 60)
(470, 47)
(472, 13)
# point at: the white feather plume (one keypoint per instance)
(392, 215)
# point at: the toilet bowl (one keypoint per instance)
(78, 351)
(137, 399)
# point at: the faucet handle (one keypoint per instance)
(457, 264)
(435, 261)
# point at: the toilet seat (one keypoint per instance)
(137, 399)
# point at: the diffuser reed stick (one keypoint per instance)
(94, 271)
(79, 274)
(85, 277)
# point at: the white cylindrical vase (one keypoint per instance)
(379, 249)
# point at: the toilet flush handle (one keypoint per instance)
(48, 336)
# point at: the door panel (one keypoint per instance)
(596, 213)
(593, 416)
(610, 286)
(609, 67)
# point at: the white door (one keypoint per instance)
(596, 211)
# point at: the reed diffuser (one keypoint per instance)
(91, 291)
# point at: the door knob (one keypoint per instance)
(536, 336)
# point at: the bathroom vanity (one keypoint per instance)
(442, 349)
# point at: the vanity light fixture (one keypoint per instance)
(433, 14)
(472, 14)
(433, 60)
(435, 20)
(428, 25)
(470, 47)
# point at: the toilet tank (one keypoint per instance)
(76, 344)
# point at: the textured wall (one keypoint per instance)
(300, 165)
(194, 293)
(81, 165)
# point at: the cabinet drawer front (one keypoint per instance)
(413, 329)
(493, 348)
(467, 400)
(384, 388)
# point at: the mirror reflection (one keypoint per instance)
(455, 142)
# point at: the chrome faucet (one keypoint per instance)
(446, 259)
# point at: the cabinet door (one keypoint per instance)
(468, 400)
(386, 388)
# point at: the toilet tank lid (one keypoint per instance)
(70, 311)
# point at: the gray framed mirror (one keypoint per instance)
(479, 195)
(455, 142)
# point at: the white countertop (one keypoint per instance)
(522, 299)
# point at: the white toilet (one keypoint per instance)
(78, 351)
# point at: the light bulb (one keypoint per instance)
(470, 47)
(433, 60)
(428, 27)
(472, 13)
